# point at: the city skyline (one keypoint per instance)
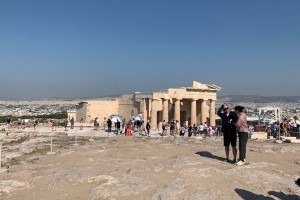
(98, 48)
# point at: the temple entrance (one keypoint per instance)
(183, 117)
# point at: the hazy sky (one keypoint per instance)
(60, 48)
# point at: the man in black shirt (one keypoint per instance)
(8, 122)
(228, 129)
(148, 127)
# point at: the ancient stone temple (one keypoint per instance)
(189, 105)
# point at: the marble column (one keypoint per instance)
(212, 113)
(145, 113)
(203, 107)
(153, 115)
(193, 112)
(166, 110)
(149, 107)
(177, 110)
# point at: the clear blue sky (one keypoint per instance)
(70, 48)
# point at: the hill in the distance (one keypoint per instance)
(259, 99)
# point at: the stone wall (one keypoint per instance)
(81, 111)
(101, 109)
(128, 106)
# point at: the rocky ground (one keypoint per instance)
(116, 167)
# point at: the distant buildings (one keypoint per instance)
(29, 108)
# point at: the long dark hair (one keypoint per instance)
(239, 108)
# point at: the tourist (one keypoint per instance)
(271, 129)
(228, 130)
(104, 123)
(118, 126)
(96, 123)
(190, 128)
(205, 128)
(202, 130)
(297, 121)
(295, 124)
(182, 130)
(243, 131)
(195, 129)
(66, 124)
(164, 126)
(122, 129)
(81, 124)
(53, 125)
(210, 131)
(23, 124)
(148, 127)
(72, 121)
(172, 128)
(285, 125)
(35, 123)
(109, 123)
(19, 123)
(8, 122)
(128, 130)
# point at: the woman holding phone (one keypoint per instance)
(243, 131)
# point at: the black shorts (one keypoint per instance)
(230, 137)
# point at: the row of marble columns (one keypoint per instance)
(165, 111)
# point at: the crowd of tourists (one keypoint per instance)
(20, 123)
(174, 128)
(287, 128)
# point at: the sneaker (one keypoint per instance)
(240, 163)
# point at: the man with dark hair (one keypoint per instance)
(8, 122)
(109, 123)
(148, 127)
(228, 130)
(72, 121)
(118, 126)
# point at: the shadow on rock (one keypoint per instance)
(282, 196)
(209, 155)
(244, 194)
